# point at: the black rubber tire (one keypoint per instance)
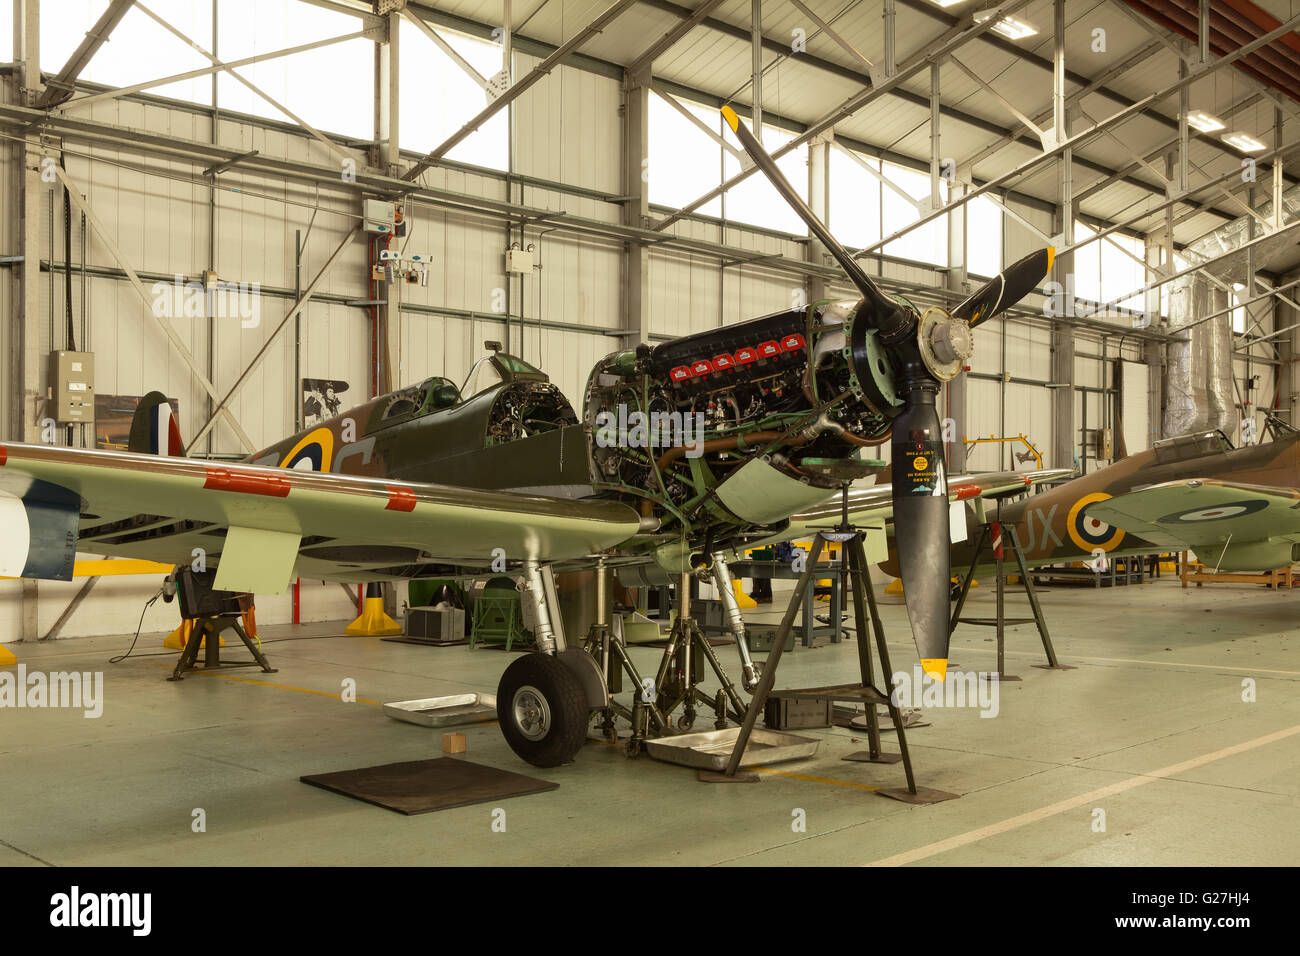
(566, 699)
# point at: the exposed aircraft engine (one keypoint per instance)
(672, 423)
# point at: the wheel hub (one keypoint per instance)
(531, 712)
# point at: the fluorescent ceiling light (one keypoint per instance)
(1247, 144)
(1204, 122)
(1009, 27)
(946, 3)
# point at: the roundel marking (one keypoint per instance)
(315, 452)
(919, 464)
(1090, 533)
(1229, 509)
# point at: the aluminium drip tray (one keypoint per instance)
(712, 749)
(444, 711)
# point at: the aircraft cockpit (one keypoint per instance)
(431, 395)
(499, 367)
(1186, 447)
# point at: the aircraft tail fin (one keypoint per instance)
(154, 430)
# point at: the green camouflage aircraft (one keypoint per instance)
(682, 451)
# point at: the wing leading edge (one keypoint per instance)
(265, 521)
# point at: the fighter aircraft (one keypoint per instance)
(1237, 508)
(436, 479)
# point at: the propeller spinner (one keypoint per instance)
(920, 352)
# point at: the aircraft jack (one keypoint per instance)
(211, 628)
(993, 534)
(676, 683)
(866, 692)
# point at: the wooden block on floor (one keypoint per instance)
(454, 743)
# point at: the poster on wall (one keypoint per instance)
(113, 414)
(320, 399)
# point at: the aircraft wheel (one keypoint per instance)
(543, 710)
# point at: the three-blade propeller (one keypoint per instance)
(920, 481)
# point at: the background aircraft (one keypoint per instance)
(1237, 508)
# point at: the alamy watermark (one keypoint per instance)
(217, 300)
(64, 689)
(636, 429)
(958, 689)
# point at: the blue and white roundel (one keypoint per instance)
(1223, 512)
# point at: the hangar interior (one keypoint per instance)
(272, 210)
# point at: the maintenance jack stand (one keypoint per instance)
(999, 537)
(211, 628)
(866, 692)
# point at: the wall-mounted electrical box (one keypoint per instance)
(521, 261)
(72, 387)
(380, 216)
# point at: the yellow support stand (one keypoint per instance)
(7, 658)
(895, 586)
(743, 600)
(373, 622)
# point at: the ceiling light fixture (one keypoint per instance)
(1009, 27)
(1247, 144)
(1204, 122)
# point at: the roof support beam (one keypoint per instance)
(1079, 139)
(446, 48)
(518, 88)
(669, 39)
(61, 87)
(698, 123)
(955, 38)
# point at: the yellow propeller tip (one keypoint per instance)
(1051, 257)
(936, 667)
(730, 116)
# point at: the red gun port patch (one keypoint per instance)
(400, 499)
(222, 479)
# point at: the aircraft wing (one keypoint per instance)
(874, 505)
(1195, 513)
(256, 524)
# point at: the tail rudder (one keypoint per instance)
(154, 430)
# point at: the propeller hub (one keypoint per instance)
(945, 342)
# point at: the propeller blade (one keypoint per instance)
(920, 498)
(881, 306)
(1001, 292)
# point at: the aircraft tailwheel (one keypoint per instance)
(685, 722)
(543, 710)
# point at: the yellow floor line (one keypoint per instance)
(955, 649)
(805, 776)
(1051, 810)
(267, 683)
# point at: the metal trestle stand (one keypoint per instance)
(866, 692)
(207, 632)
(1000, 537)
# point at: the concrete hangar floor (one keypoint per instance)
(1151, 728)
